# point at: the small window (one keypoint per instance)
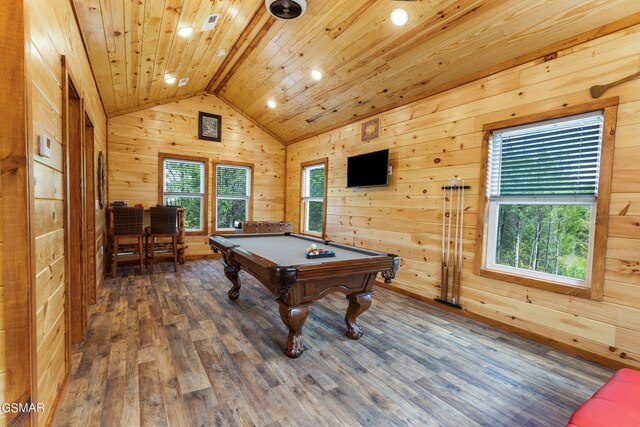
(184, 185)
(313, 198)
(541, 201)
(233, 194)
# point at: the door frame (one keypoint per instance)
(73, 128)
(90, 209)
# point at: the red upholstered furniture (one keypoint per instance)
(617, 403)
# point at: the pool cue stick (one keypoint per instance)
(456, 288)
(444, 264)
(455, 244)
(446, 294)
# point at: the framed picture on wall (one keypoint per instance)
(209, 127)
(371, 129)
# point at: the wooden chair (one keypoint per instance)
(127, 224)
(164, 223)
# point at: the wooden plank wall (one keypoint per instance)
(439, 138)
(54, 33)
(135, 139)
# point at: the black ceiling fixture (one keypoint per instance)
(286, 9)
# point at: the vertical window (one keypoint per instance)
(233, 195)
(542, 198)
(313, 198)
(184, 183)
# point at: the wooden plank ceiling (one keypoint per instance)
(133, 45)
(369, 64)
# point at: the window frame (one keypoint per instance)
(249, 199)
(599, 216)
(204, 221)
(302, 229)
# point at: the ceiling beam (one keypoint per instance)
(235, 52)
(215, 87)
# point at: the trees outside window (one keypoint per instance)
(233, 193)
(184, 185)
(546, 186)
(548, 238)
(313, 198)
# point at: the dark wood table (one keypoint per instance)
(278, 261)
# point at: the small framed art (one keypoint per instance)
(209, 127)
(371, 129)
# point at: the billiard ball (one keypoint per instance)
(314, 246)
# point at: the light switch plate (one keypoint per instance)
(44, 146)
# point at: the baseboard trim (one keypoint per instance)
(202, 256)
(550, 342)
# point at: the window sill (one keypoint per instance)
(232, 231)
(196, 233)
(557, 287)
(312, 234)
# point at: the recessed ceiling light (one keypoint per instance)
(221, 52)
(169, 79)
(183, 81)
(399, 17)
(271, 103)
(185, 32)
(317, 75)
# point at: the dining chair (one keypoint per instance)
(127, 224)
(164, 223)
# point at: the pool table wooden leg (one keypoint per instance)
(358, 304)
(231, 270)
(293, 316)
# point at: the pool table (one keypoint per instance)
(279, 262)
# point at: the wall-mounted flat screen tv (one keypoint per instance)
(367, 170)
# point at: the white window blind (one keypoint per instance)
(183, 185)
(313, 184)
(233, 193)
(183, 177)
(553, 158)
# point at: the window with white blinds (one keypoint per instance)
(313, 185)
(233, 193)
(554, 158)
(184, 186)
(541, 190)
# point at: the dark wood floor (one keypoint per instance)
(171, 349)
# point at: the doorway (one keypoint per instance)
(80, 210)
(90, 211)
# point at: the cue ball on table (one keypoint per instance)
(314, 246)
